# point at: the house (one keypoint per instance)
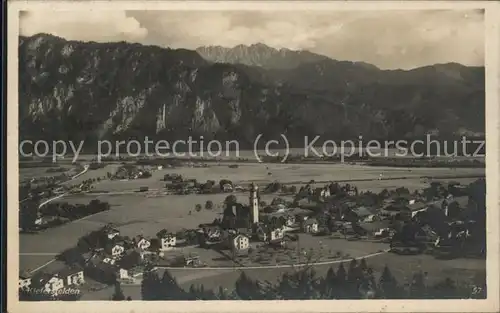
(131, 259)
(212, 233)
(382, 233)
(373, 227)
(371, 218)
(123, 273)
(115, 250)
(361, 212)
(290, 220)
(193, 261)
(426, 234)
(347, 229)
(325, 193)
(52, 283)
(311, 226)
(276, 235)
(392, 209)
(168, 242)
(39, 220)
(112, 233)
(267, 234)
(73, 276)
(142, 243)
(127, 265)
(109, 261)
(351, 192)
(416, 207)
(101, 271)
(227, 188)
(238, 188)
(280, 208)
(24, 281)
(240, 243)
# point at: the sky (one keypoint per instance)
(387, 39)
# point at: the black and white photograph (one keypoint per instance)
(228, 153)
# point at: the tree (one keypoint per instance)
(209, 205)
(388, 286)
(118, 295)
(354, 277)
(28, 215)
(418, 288)
(230, 200)
(170, 290)
(222, 294)
(198, 207)
(384, 194)
(247, 289)
(330, 288)
(277, 201)
(151, 286)
(362, 265)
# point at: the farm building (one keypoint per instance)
(112, 233)
(72, 276)
(168, 242)
(266, 233)
(109, 261)
(115, 250)
(227, 188)
(142, 243)
(50, 283)
(24, 280)
(193, 261)
(362, 212)
(310, 225)
(239, 243)
(416, 207)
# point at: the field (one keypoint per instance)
(291, 174)
(136, 213)
(401, 266)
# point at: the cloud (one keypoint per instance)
(100, 26)
(388, 39)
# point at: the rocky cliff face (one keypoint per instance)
(259, 55)
(72, 90)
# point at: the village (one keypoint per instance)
(446, 220)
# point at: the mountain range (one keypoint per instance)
(72, 90)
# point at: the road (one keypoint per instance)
(85, 169)
(195, 273)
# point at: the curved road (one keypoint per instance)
(215, 271)
(85, 169)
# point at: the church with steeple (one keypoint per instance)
(237, 215)
(254, 203)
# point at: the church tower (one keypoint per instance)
(254, 203)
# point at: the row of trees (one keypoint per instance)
(74, 211)
(209, 205)
(358, 281)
